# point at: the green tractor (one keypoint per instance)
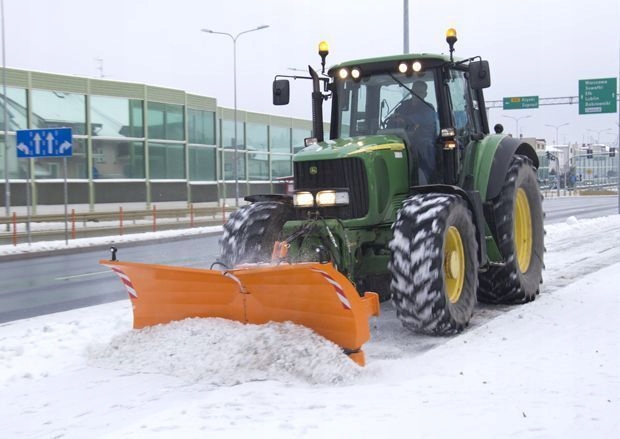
(411, 196)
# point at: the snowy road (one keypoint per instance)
(547, 369)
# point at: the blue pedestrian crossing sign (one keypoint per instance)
(49, 142)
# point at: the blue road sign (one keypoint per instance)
(50, 142)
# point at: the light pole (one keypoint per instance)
(598, 134)
(405, 26)
(7, 188)
(235, 146)
(557, 129)
(517, 119)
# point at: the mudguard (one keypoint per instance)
(314, 295)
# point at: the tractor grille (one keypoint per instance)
(346, 173)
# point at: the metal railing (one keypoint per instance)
(17, 229)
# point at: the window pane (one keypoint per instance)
(228, 134)
(118, 159)
(53, 167)
(175, 129)
(116, 117)
(281, 165)
(15, 164)
(16, 109)
(228, 165)
(299, 134)
(280, 139)
(51, 109)
(257, 136)
(166, 161)
(258, 166)
(201, 126)
(165, 121)
(202, 163)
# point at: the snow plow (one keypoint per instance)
(411, 198)
(310, 294)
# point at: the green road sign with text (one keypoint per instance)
(597, 96)
(520, 102)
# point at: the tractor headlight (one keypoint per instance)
(332, 198)
(303, 199)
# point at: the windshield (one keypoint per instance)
(384, 101)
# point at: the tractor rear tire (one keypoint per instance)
(434, 264)
(519, 233)
(250, 232)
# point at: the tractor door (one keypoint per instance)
(466, 118)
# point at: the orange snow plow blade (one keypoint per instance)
(310, 294)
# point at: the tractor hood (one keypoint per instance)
(350, 147)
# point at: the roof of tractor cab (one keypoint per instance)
(390, 62)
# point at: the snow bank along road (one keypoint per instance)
(546, 369)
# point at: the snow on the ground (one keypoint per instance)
(547, 369)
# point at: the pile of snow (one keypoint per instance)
(223, 352)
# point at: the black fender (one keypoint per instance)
(269, 197)
(507, 148)
(474, 201)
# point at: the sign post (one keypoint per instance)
(597, 96)
(520, 102)
(50, 143)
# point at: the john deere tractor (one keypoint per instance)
(409, 196)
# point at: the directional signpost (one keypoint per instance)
(520, 102)
(597, 96)
(53, 142)
(45, 143)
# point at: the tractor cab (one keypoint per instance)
(426, 100)
(433, 103)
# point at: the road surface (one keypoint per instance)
(47, 284)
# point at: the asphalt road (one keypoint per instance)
(558, 209)
(43, 285)
(47, 284)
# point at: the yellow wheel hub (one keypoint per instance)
(454, 264)
(523, 231)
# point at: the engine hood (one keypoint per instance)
(350, 147)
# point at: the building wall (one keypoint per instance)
(141, 143)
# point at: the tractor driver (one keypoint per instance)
(419, 119)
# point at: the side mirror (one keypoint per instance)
(479, 75)
(281, 92)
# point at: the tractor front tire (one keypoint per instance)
(250, 232)
(434, 264)
(517, 226)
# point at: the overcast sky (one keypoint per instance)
(535, 47)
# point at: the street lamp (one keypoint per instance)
(598, 133)
(234, 40)
(517, 119)
(557, 129)
(5, 126)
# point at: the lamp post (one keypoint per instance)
(235, 146)
(557, 130)
(5, 128)
(598, 133)
(405, 26)
(517, 119)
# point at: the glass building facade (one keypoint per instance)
(140, 143)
